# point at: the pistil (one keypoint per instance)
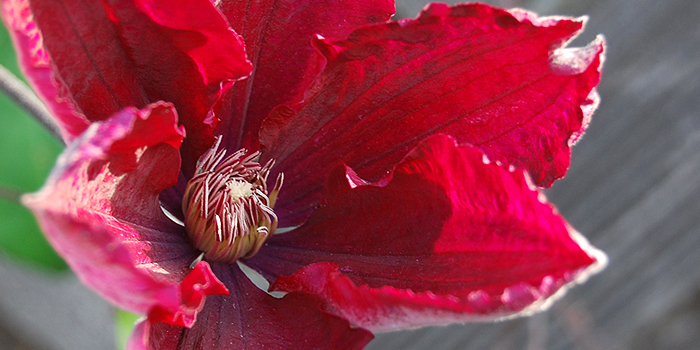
(228, 210)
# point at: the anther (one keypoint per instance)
(228, 212)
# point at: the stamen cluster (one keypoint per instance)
(228, 213)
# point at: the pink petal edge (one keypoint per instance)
(391, 309)
(36, 66)
(100, 211)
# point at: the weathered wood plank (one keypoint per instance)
(633, 189)
(51, 312)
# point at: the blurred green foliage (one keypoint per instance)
(27, 154)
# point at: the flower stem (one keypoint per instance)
(10, 194)
(23, 96)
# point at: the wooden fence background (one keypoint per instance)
(633, 189)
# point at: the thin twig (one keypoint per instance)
(19, 92)
(10, 194)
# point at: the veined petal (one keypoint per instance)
(249, 318)
(36, 66)
(446, 237)
(278, 35)
(100, 211)
(485, 76)
(108, 55)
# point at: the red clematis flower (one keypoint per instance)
(382, 174)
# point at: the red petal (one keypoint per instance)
(36, 66)
(201, 32)
(249, 318)
(194, 289)
(278, 41)
(113, 54)
(100, 209)
(472, 71)
(444, 238)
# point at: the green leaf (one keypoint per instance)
(27, 154)
(124, 322)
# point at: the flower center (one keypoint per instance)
(228, 210)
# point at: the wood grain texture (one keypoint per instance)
(633, 189)
(44, 311)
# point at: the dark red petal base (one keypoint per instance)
(249, 318)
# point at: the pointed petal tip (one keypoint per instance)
(553, 291)
(576, 60)
(194, 289)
